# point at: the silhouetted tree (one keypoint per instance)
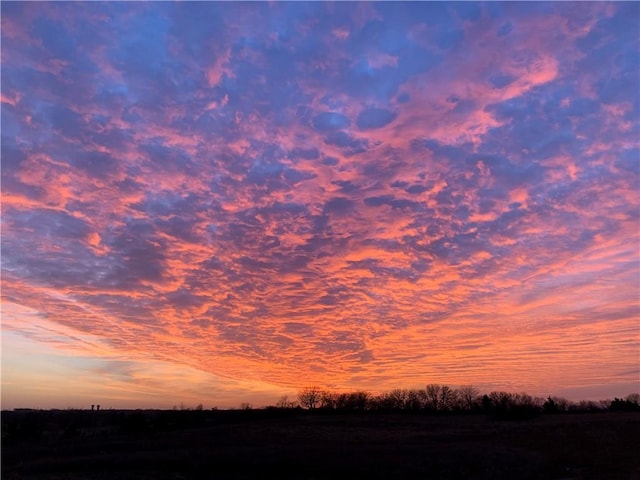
(550, 405)
(415, 399)
(328, 400)
(433, 396)
(500, 400)
(310, 397)
(467, 397)
(514, 406)
(447, 399)
(342, 401)
(486, 403)
(556, 405)
(604, 404)
(395, 399)
(439, 398)
(358, 400)
(629, 404)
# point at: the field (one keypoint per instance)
(298, 445)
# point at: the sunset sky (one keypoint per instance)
(227, 202)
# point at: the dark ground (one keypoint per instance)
(297, 445)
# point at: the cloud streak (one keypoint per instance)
(358, 196)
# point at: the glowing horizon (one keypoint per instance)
(227, 202)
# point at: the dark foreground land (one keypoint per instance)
(300, 445)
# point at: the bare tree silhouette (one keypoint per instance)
(468, 397)
(310, 397)
(433, 396)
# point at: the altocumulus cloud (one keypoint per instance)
(351, 195)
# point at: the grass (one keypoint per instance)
(298, 445)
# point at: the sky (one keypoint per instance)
(221, 203)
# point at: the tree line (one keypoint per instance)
(436, 398)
